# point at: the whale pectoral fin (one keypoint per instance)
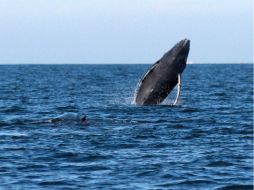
(178, 89)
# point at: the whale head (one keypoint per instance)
(177, 56)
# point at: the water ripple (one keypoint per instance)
(205, 142)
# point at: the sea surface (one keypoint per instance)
(205, 142)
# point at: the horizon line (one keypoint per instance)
(105, 63)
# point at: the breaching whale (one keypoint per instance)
(162, 77)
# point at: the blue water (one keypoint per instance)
(205, 142)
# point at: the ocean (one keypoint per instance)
(205, 142)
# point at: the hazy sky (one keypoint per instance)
(124, 31)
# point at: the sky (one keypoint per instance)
(124, 31)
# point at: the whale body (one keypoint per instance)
(69, 117)
(163, 76)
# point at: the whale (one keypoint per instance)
(163, 76)
(67, 117)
